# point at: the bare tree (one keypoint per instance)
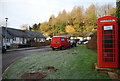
(25, 27)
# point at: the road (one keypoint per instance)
(12, 56)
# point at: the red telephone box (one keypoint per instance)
(108, 55)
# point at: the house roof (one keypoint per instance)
(20, 33)
(33, 34)
(2, 32)
(16, 32)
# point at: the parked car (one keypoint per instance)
(82, 42)
(73, 43)
(59, 42)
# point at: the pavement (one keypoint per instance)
(28, 48)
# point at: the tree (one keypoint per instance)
(35, 26)
(52, 20)
(57, 24)
(70, 29)
(90, 17)
(89, 22)
(44, 27)
(76, 17)
(25, 27)
(118, 10)
(112, 12)
(77, 21)
(62, 27)
(62, 17)
(105, 10)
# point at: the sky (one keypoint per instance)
(20, 12)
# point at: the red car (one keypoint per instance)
(59, 42)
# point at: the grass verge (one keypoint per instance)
(74, 63)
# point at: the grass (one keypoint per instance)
(74, 63)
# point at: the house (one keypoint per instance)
(8, 41)
(17, 36)
(35, 36)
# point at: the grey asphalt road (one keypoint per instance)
(12, 56)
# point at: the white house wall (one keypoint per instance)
(42, 39)
(38, 40)
(19, 40)
(7, 43)
(11, 41)
(16, 41)
(3, 41)
(25, 41)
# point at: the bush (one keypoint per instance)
(92, 44)
(40, 43)
(32, 44)
(23, 45)
(13, 46)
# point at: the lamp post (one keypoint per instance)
(6, 34)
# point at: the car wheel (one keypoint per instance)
(62, 48)
(53, 48)
(75, 45)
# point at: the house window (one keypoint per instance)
(39, 40)
(62, 39)
(8, 40)
(14, 39)
(34, 39)
(20, 39)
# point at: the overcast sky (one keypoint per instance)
(21, 12)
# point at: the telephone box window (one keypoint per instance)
(108, 46)
(108, 32)
(108, 36)
(108, 55)
(108, 50)
(107, 41)
(108, 59)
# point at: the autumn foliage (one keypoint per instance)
(79, 21)
(69, 29)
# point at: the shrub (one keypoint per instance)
(13, 46)
(92, 44)
(23, 45)
(40, 43)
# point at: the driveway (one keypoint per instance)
(12, 56)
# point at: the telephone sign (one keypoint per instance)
(108, 27)
(107, 20)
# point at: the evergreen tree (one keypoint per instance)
(35, 27)
(62, 27)
(118, 10)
